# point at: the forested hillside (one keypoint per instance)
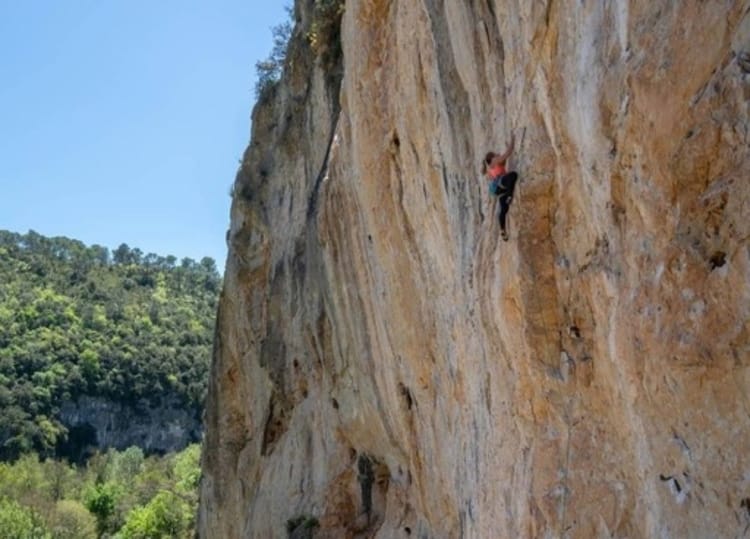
(79, 320)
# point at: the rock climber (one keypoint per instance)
(502, 182)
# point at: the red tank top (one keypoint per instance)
(497, 170)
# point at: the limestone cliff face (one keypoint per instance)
(386, 364)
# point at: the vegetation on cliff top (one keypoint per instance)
(78, 320)
(323, 36)
(269, 70)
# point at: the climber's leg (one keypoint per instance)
(503, 213)
(507, 186)
(508, 182)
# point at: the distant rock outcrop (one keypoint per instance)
(385, 366)
(97, 423)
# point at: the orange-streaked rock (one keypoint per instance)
(385, 363)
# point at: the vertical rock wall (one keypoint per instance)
(385, 364)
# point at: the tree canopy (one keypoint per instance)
(119, 494)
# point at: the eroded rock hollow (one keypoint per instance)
(386, 366)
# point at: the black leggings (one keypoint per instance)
(507, 185)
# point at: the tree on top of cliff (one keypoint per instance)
(269, 70)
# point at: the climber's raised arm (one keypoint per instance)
(509, 150)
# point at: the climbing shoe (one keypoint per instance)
(504, 235)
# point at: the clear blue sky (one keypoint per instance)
(123, 121)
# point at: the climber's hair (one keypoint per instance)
(487, 160)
